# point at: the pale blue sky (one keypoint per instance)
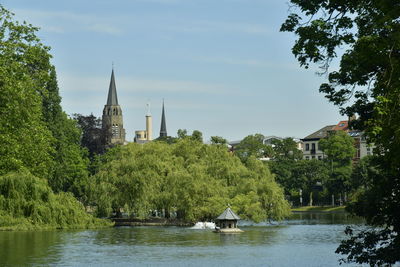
(222, 66)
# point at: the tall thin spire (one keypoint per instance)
(112, 99)
(163, 128)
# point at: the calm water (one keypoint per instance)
(304, 240)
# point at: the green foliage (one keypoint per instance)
(92, 138)
(27, 202)
(182, 133)
(166, 139)
(218, 140)
(339, 148)
(70, 160)
(363, 172)
(196, 135)
(25, 141)
(367, 83)
(195, 180)
(286, 149)
(253, 146)
(35, 134)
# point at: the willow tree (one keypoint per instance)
(195, 180)
(367, 83)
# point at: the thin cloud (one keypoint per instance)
(69, 82)
(62, 21)
(221, 26)
(249, 63)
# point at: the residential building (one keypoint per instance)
(311, 148)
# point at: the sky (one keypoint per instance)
(222, 66)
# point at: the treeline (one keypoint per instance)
(188, 179)
(336, 180)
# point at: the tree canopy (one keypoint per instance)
(37, 139)
(195, 180)
(367, 83)
(253, 146)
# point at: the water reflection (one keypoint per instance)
(21, 248)
(324, 218)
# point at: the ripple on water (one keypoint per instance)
(292, 243)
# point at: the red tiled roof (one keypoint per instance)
(341, 126)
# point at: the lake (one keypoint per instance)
(303, 240)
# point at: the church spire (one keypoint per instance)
(112, 120)
(112, 99)
(163, 128)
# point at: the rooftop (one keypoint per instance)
(321, 133)
(228, 214)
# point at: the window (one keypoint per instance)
(319, 157)
(307, 157)
(307, 147)
(313, 146)
(319, 148)
(115, 130)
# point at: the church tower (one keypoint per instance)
(112, 121)
(163, 128)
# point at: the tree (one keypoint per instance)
(283, 165)
(93, 138)
(363, 171)
(253, 145)
(367, 83)
(307, 174)
(70, 159)
(218, 140)
(339, 149)
(182, 133)
(195, 180)
(197, 136)
(286, 149)
(25, 141)
(28, 203)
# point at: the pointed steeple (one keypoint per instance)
(112, 99)
(163, 128)
(112, 119)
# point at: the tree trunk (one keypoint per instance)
(167, 213)
(310, 203)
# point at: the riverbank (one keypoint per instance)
(328, 209)
(150, 222)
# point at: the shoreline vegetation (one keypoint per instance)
(28, 203)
